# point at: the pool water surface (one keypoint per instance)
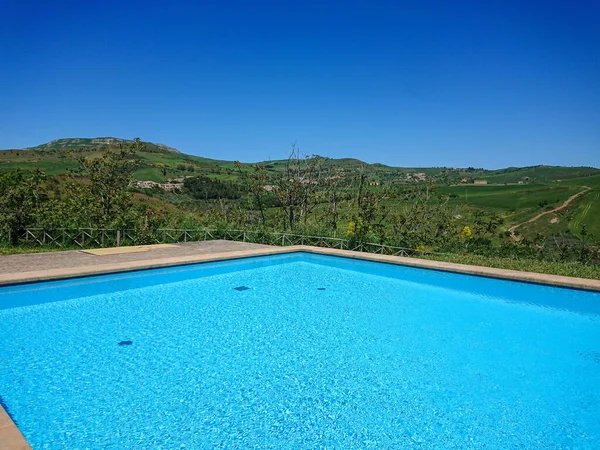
(300, 351)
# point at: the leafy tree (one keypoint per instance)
(297, 188)
(256, 182)
(20, 200)
(204, 188)
(370, 213)
(105, 182)
(333, 184)
(485, 224)
(425, 219)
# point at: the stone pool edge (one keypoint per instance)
(101, 269)
(12, 438)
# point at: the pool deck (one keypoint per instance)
(25, 268)
(15, 269)
(36, 262)
(10, 436)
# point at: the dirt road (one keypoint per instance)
(559, 208)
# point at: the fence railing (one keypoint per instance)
(69, 238)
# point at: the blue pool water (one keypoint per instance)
(318, 352)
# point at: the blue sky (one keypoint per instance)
(485, 84)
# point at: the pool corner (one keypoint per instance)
(10, 436)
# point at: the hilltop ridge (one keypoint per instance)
(160, 162)
(96, 142)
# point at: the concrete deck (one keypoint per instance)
(33, 262)
(10, 436)
(47, 266)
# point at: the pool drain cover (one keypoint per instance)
(122, 343)
(242, 288)
(320, 289)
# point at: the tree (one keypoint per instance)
(297, 187)
(20, 200)
(256, 182)
(106, 180)
(332, 185)
(204, 188)
(370, 212)
(424, 219)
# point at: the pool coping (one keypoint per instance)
(12, 438)
(101, 269)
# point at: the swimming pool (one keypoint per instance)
(300, 351)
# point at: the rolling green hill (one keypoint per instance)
(76, 143)
(537, 174)
(514, 193)
(160, 162)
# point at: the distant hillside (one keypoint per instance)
(336, 163)
(539, 174)
(515, 193)
(159, 162)
(74, 143)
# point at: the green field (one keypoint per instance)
(509, 197)
(514, 203)
(585, 210)
(537, 174)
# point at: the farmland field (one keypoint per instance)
(585, 210)
(515, 203)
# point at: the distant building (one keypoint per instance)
(464, 180)
(520, 182)
(480, 182)
(169, 187)
(145, 184)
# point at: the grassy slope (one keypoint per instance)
(56, 162)
(537, 174)
(516, 203)
(51, 158)
(584, 210)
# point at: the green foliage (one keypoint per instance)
(425, 219)
(256, 183)
(565, 268)
(20, 200)
(105, 196)
(367, 221)
(204, 188)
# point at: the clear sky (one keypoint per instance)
(455, 83)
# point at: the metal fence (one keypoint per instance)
(68, 238)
